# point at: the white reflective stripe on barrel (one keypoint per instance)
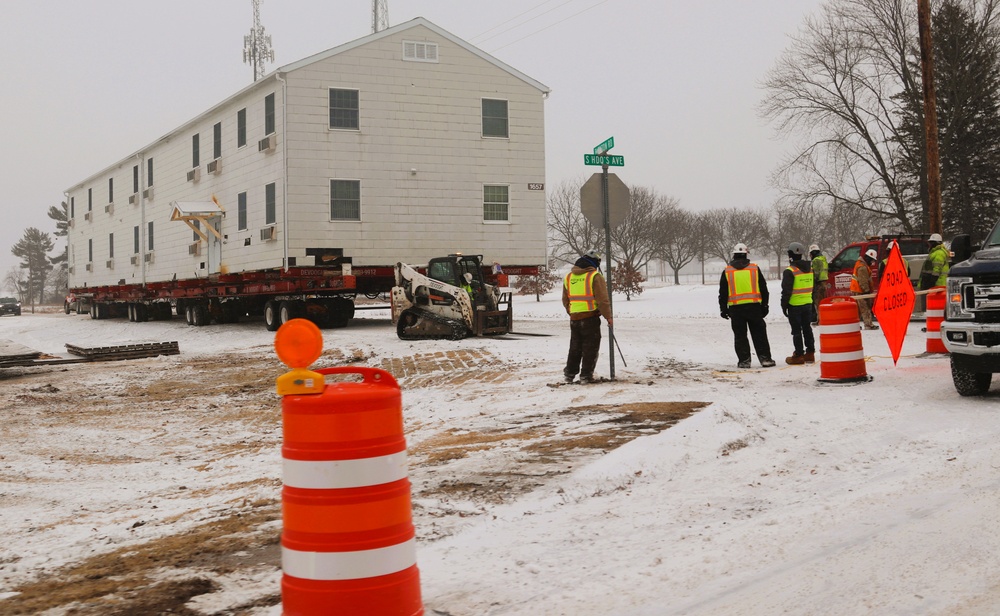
(349, 565)
(931, 335)
(930, 314)
(336, 474)
(844, 328)
(838, 357)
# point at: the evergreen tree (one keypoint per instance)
(33, 249)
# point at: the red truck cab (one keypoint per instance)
(914, 249)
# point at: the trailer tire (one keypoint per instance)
(130, 308)
(290, 309)
(271, 321)
(66, 307)
(141, 313)
(188, 314)
(199, 315)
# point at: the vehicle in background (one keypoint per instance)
(9, 305)
(971, 327)
(77, 303)
(914, 249)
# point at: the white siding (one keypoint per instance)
(413, 115)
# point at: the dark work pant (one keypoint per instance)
(800, 317)
(584, 344)
(744, 317)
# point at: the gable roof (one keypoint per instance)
(419, 21)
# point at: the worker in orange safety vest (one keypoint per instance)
(743, 298)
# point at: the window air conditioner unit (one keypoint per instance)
(194, 249)
(267, 234)
(86, 216)
(133, 199)
(215, 167)
(148, 257)
(72, 222)
(194, 175)
(148, 193)
(90, 267)
(72, 269)
(267, 144)
(134, 260)
(110, 264)
(109, 208)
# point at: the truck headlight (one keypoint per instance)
(955, 307)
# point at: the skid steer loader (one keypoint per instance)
(452, 300)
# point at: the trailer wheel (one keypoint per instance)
(199, 315)
(290, 309)
(188, 316)
(93, 310)
(141, 313)
(66, 307)
(271, 316)
(131, 312)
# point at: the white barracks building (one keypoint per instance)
(401, 146)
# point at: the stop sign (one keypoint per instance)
(592, 200)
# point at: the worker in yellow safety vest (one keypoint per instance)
(585, 298)
(797, 304)
(935, 270)
(743, 299)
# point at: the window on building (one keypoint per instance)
(72, 207)
(270, 216)
(495, 118)
(269, 114)
(135, 239)
(345, 200)
(195, 151)
(241, 211)
(149, 172)
(149, 237)
(241, 128)
(135, 179)
(111, 190)
(344, 111)
(420, 52)
(90, 250)
(197, 225)
(111, 245)
(90, 199)
(496, 203)
(217, 140)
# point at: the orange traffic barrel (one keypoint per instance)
(935, 314)
(348, 544)
(841, 354)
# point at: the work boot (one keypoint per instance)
(797, 359)
(810, 357)
(767, 362)
(568, 378)
(586, 380)
(744, 363)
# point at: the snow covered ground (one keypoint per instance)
(782, 495)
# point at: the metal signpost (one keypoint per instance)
(600, 157)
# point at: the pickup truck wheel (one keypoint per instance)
(967, 382)
(271, 316)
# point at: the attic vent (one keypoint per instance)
(420, 52)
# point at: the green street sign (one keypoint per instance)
(611, 161)
(604, 147)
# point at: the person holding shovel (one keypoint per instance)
(585, 297)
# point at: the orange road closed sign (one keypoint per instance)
(894, 302)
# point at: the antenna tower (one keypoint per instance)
(257, 45)
(380, 15)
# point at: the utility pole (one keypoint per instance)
(257, 45)
(930, 118)
(380, 15)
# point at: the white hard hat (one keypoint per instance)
(813, 248)
(468, 277)
(871, 254)
(935, 237)
(740, 248)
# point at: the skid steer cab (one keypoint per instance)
(448, 299)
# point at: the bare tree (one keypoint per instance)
(16, 282)
(634, 240)
(678, 235)
(571, 234)
(834, 88)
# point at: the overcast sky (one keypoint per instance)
(675, 82)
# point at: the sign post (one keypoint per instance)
(894, 302)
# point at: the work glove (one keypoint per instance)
(724, 314)
(784, 310)
(764, 310)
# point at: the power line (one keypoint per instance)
(548, 26)
(535, 8)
